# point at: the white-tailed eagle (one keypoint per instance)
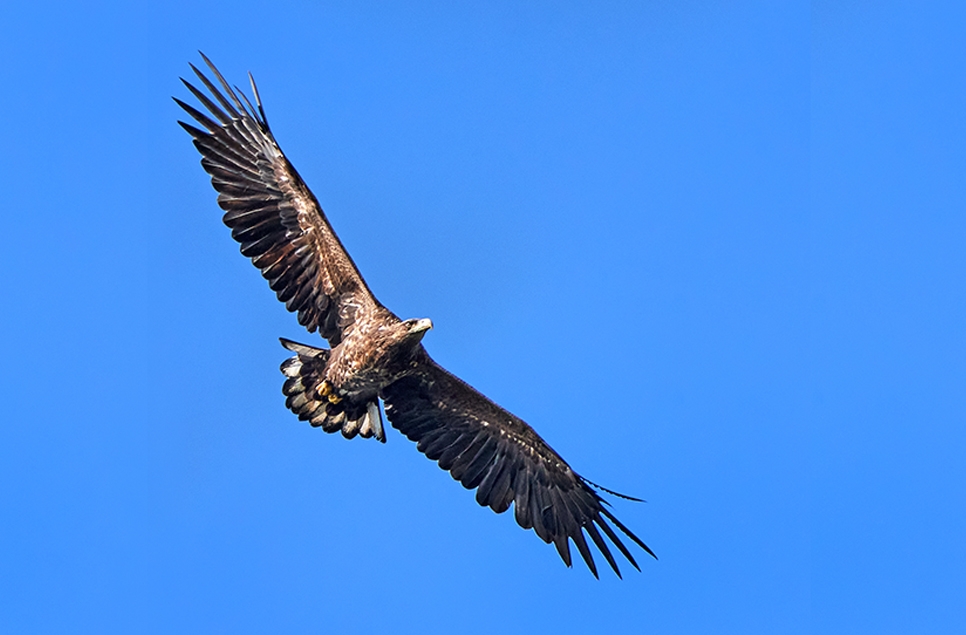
(373, 354)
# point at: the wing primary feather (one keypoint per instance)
(197, 115)
(258, 100)
(194, 132)
(210, 105)
(254, 113)
(245, 104)
(612, 492)
(584, 504)
(563, 518)
(578, 538)
(628, 532)
(217, 93)
(563, 548)
(614, 538)
(254, 132)
(595, 536)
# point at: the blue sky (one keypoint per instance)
(713, 254)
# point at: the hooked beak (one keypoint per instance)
(422, 325)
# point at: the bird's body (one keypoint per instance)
(375, 355)
(334, 388)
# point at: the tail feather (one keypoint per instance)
(305, 373)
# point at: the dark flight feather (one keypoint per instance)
(511, 465)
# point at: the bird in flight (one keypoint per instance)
(373, 354)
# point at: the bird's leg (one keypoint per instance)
(328, 391)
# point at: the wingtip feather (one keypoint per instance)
(628, 533)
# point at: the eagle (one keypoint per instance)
(374, 355)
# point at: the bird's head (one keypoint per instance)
(406, 335)
(417, 327)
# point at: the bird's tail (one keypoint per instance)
(305, 373)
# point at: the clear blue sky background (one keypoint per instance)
(715, 255)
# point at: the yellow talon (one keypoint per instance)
(326, 389)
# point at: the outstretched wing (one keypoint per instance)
(486, 448)
(272, 213)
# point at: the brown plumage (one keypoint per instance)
(373, 353)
